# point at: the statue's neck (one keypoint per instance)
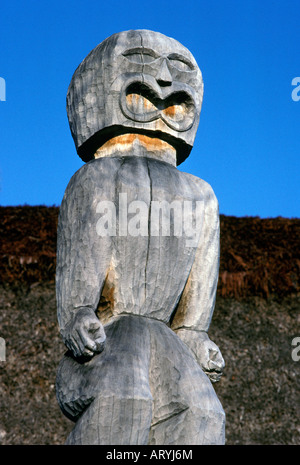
(138, 145)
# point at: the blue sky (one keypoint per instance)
(247, 146)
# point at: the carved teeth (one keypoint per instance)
(176, 112)
(139, 104)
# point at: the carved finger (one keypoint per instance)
(87, 344)
(78, 343)
(100, 344)
(73, 347)
(96, 329)
(215, 366)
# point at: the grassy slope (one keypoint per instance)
(256, 317)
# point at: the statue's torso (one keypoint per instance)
(146, 274)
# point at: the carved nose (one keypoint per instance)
(164, 77)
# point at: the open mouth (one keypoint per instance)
(141, 103)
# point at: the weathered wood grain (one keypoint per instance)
(138, 253)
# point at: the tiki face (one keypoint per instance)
(138, 82)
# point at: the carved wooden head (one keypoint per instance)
(136, 81)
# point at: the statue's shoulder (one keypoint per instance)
(204, 187)
(94, 179)
(99, 172)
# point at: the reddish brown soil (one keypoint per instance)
(258, 256)
(256, 318)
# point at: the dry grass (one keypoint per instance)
(256, 317)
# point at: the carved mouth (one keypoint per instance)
(141, 103)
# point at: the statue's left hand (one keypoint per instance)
(207, 353)
(210, 358)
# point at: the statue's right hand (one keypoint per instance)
(84, 335)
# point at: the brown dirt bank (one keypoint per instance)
(258, 256)
(256, 317)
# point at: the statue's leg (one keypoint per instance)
(186, 409)
(114, 386)
(113, 420)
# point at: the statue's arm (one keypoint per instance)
(196, 306)
(82, 261)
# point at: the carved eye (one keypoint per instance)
(140, 55)
(181, 63)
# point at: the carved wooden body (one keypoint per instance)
(143, 275)
(154, 293)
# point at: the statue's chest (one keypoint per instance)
(148, 180)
